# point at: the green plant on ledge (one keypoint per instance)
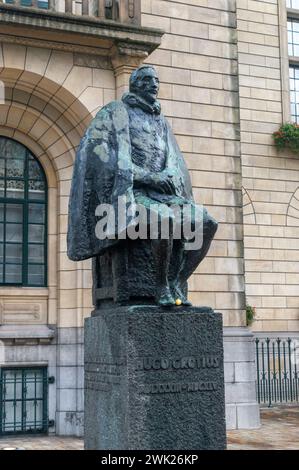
(287, 136)
(250, 314)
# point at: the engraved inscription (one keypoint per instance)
(174, 387)
(103, 373)
(98, 386)
(201, 362)
(192, 363)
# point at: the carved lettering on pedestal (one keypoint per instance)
(103, 373)
(192, 363)
(158, 363)
(176, 387)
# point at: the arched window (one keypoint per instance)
(23, 217)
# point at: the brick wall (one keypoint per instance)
(270, 179)
(199, 95)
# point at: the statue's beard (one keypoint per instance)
(133, 98)
(147, 97)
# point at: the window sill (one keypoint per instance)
(21, 335)
(15, 291)
(292, 14)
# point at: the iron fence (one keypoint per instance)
(277, 361)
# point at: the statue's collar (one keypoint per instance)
(136, 101)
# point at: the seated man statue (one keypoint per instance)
(129, 154)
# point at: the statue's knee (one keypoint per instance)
(210, 226)
(207, 223)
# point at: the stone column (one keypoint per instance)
(125, 58)
(242, 409)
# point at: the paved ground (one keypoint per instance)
(41, 443)
(279, 430)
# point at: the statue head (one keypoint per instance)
(144, 82)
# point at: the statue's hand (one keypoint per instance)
(165, 183)
(162, 182)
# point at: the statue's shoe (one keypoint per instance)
(178, 295)
(165, 298)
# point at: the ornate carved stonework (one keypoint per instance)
(91, 60)
(126, 55)
(82, 34)
(60, 46)
(23, 311)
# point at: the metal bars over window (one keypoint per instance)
(23, 400)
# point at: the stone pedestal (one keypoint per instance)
(242, 409)
(154, 379)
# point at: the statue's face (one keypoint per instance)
(147, 85)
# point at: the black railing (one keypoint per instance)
(123, 11)
(277, 362)
(23, 400)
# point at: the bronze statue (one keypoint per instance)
(129, 153)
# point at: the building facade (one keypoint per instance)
(224, 68)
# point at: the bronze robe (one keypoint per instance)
(103, 172)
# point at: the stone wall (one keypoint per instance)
(197, 64)
(50, 98)
(270, 178)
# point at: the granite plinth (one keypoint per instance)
(154, 379)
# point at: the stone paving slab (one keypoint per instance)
(279, 431)
(41, 443)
